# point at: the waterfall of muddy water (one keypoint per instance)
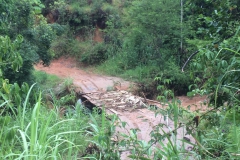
(138, 118)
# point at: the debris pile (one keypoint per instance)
(119, 100)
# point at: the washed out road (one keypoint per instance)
(87, 82)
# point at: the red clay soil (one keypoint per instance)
(143, 119)
(84, 80)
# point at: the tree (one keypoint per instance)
(23, 17)
(153, 33)
(214, 20)
(217, 39)
(11, 94)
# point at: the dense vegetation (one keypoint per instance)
(147, 42)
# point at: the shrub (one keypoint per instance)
(96, 55)
(179, 80)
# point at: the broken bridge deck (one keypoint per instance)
(116, 100)
(133, 110)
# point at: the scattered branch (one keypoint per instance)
(189, 58)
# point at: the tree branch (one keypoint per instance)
(189, 58)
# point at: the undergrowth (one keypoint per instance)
(46, 81)
(43, 131)
(39, 133)
(144, 76)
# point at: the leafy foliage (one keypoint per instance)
(151, 33)
(22, 17)
(95, 55)
(102, 134)
(11, 94)
(220, 68)
(216, 70)
(9, 54)
(216, 20)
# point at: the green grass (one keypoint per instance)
(46, 81)
(115, 67)
(110, 67)
(46, 136)
(40, 133)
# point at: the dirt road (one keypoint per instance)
(143, 119)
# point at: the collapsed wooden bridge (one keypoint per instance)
(129, 108)
(119, 100)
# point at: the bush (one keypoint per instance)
(180, 81)
(66, 45)
(96, 55)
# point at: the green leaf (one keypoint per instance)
(208, 55)
(17, 88)
(124, 124)
(160, 87)
(190, 94)
(37, 9)
(6, 87)
(143, 158)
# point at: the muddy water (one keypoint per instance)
(142, 119)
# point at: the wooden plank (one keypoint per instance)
(112, 110)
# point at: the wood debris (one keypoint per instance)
(119, 100)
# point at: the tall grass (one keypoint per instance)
(39, 133)
(102, 134)
(46, 81)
